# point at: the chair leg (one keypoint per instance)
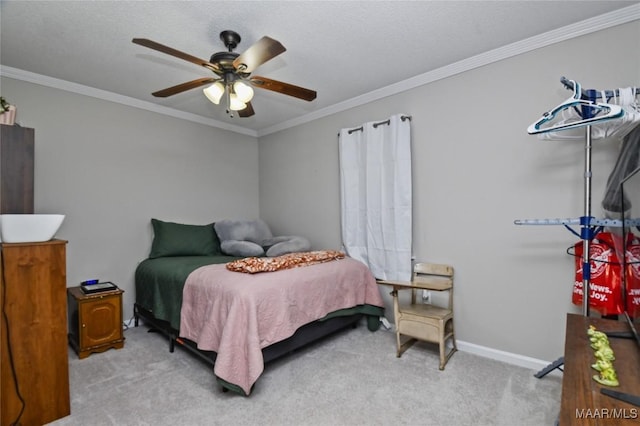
(453, 340)
(444, 357)
(444, 361)
(442, 343)
(402, 347)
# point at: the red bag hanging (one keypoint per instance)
(633, 277)
(605, 283)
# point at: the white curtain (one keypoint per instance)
(375, 181)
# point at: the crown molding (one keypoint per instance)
(80, 89)
(598, 23)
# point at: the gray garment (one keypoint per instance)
(628, 161)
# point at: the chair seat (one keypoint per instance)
(428, 311)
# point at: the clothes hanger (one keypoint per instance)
(596, 111)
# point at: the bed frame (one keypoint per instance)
(305, 335)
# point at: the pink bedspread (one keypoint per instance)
(237, 314)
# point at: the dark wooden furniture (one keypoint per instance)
(95, 321)
(34, 364)
(582, 402)
(16, 169)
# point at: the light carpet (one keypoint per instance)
(350, 378)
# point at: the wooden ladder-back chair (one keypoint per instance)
(425, 321)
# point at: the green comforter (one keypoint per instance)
(159, 283)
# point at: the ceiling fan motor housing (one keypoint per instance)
(224, 60)
(231, 39)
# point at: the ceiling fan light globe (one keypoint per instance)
(243, 91)
(236, 104)
(214, 92)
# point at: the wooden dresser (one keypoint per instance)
(16, 169)
(582, 402)
(34, 333)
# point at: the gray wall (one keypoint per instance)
(475, 171)
(110, 168)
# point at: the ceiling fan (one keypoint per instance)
(232, 73)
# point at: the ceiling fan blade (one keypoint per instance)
(284, 88)
(257, 54)
(183, 87)
(173, 52)
(247, 112)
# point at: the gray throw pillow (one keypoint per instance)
(241, 248)
(243, 230)
(292, 244)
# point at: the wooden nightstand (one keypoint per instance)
(95, 321)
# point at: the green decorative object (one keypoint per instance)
(4, 105)
(7, 112)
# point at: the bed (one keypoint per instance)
(239, 321)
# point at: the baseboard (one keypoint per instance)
(507, 357)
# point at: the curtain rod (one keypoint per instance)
(375, 125)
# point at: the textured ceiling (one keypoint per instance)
(343, 50)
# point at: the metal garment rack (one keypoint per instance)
(588, 224)
(592, 94)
